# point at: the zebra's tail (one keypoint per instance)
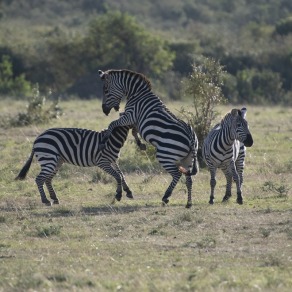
(194, 149)
(25, 169)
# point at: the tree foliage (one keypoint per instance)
(62, 44)
(114, 40)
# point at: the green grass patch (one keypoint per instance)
(87, 243)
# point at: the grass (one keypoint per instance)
(86, 243)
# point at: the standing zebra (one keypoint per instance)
(77, 146)
(221, 149)
(175, 141)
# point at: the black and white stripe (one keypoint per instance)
(77, 146)
(224, 148)
(175, 141)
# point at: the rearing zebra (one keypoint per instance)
(175, 141)
(77, 146)
(222, 149)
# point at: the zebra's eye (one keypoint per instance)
(238, 125)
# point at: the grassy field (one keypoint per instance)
(87, 243)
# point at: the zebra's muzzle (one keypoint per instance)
(248, 142)
(106, 110)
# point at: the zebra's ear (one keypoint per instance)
(243, 112)
(101, 74)
(234, 112)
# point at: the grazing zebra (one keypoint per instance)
(175, 141)
(222, 149)
(77, 146)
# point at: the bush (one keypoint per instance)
(204, 87)
(38, 112)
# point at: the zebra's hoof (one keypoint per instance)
(118, 196)
(165, 201)
(225, 199)
(129, 195)
(189, 205)
(239, 201)
(56, 202)
(47, 203)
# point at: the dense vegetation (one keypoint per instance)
(61, 44)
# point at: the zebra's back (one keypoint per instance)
(79, 146)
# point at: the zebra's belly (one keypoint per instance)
(219, 160)
(168, 146)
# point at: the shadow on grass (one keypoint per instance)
(54, 211)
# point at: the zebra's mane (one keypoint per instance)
(140, 75)
(227, 116)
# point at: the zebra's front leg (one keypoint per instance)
(189, 184)
(141, 146)
(237, 180)
(104, 139)
(40, 180)
(228, 176)
(212, 185)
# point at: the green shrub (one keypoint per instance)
(281, 190)
(204, 88)
(38, 112)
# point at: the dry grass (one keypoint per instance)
(89, 244)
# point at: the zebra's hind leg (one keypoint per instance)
(237, 180)
(212, 184)
(40, 180)
(176, 175)
(108, 168)
(48, 183)
(52, 192)
(189, 184)
(125, 186)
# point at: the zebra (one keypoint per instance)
(175, 141)
(79, 147)
(222, 149)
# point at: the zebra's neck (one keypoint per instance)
(226, 137)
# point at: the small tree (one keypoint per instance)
(204, 87)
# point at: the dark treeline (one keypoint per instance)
(60, 45)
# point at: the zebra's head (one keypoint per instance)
(120, 83)
(112, 92)
(240, 126)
